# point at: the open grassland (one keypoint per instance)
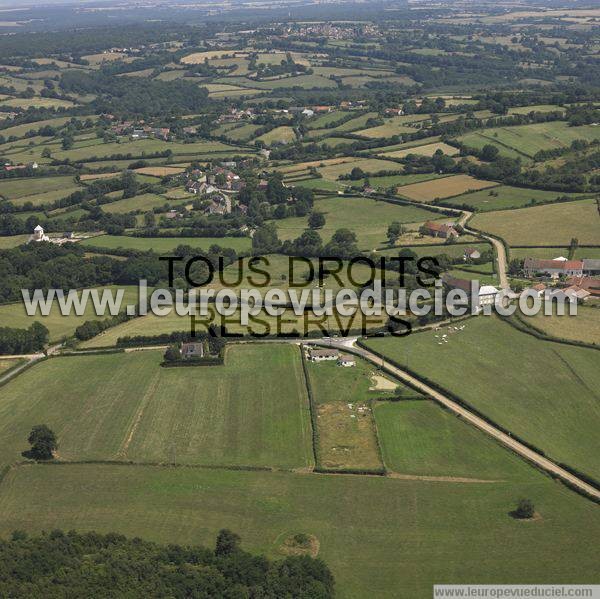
(26, 103)
(444, 187)
(260, 324)
(381, 537)
(369, 165)
(48, 197)
(279, 135)
(127, 407)
(553, 224)
(424, 150)
(548, 253)
(7, 364)
(11, 241)
(506, 375)
(526, 140)
(59, 326)
(12, 189)
(420, 438)
(585, 326)
(165, 244)
(453, 250)
(143, 202)
(506, 196)
(368, 218)
(393, 126)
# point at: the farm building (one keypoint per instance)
(346, 361)
(442, 230)
(553, 268)
(471, 254)
(486, 294)
(588, 283)
(319, 355)
(591, 267)
(192, 350)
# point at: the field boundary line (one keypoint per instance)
(578, 482)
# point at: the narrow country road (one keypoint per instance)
(530, 455)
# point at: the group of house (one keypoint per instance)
(139, 130)
(579, 278)
(486, 294)
(561, 267)
(330, 354)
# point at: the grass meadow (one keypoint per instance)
(128, 408)
(444, 187)
(506, 375)
(165, 244)
(368, 218)
(381, 537)
(553, 224)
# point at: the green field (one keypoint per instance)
(12, 241)
(369, 219)
(381, 537)
(279, 135)
(505, 196)
(127, 407)
(420, 438)
(585, 326)
(553, 224)
(526, 140)
(505, 374)
(144, 202)
(12, 189)
(165, 244)
(59, 326)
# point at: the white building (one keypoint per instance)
(38, 235)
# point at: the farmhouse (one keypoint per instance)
(442, 230)
(189, 351)
(319, 355)
(553, 268)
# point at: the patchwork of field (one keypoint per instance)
(346, 212)
(165, 244)
(553, 224)
(129, 408)
(505, 197)
(504, 374)
(444, 187)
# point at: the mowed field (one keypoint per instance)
(584, 326)
(420, 438)
(59, 326)
(505, 374)
(165, 244)
(368, 218)
(553, 224)
(505, 196)
(444, 187)
(381, 537)
(128, 408)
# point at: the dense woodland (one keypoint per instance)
(71, 564)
